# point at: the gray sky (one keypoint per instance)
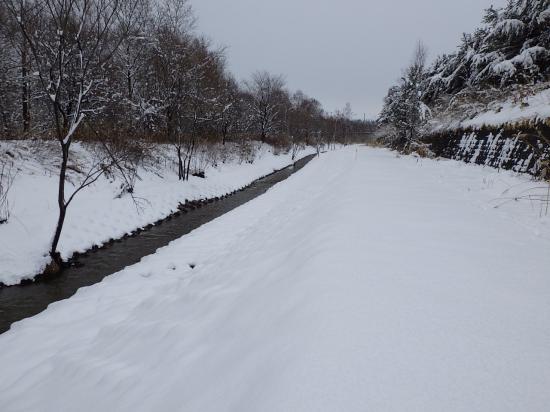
(339, 50)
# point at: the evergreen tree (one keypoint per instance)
(404, 113)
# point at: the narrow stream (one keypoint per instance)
(22, 301)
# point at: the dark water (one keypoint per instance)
(19, 302)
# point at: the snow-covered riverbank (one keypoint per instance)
(100, 213)
(365, 281)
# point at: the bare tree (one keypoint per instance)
(228, 107)
(302, 121)
(13, 77)
(265, 91)
(130, 56)
(71, 43)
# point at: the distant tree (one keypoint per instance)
(404, 113)
(172, 78)
(302, 116)
(412, 90)
(229, 107)
(14, 74)
(347, 113)
(266, 92)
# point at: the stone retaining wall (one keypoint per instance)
(518, 149)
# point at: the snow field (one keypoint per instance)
(366, 281)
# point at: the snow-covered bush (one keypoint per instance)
(420, 149)
(206, 155)
(247, 151)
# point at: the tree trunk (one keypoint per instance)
(61, 203)
(129, 81)
(25, 90)
(5, 121)
(224, 134)
(181, 170)
(189, 159)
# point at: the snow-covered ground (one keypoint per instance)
(99, 213)
(364, 282)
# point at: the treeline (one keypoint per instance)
(136, 69)
(508, 56)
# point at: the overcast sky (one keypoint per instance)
(335, 50)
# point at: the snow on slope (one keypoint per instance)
(365, 282)
(534, 108)
(99, 213)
